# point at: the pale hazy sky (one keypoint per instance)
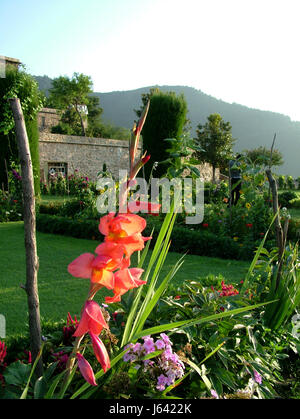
(243, 51)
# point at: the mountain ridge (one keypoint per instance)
(250, 126)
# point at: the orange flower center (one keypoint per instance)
(115, 235)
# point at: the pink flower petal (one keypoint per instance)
(92, 320)
(81, 267)
(104, 223)
(100, 352)
(86, 370)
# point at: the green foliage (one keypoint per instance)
(165, 119)
(201, 242)
(216, 193)
(283, 285)
(285, 197)
(11, 201)
(220, 336)
(281, 182)
(215, 141)
(100, 129)
(261, 156)
(241, 343)
(294, 203)
(33, 137)
(181, 157)
(290, 183)
(22, 85)
(68, 95)
(81, 228)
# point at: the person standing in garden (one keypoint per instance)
(235, 179)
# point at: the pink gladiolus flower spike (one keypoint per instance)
(100, 352)
(86, 370)
(125, 279)
(124, 230)
(98, 268)
(92, 320)
(136, 132)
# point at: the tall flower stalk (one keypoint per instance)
(108, 267)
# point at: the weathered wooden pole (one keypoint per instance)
(31, 286)
(278, 227)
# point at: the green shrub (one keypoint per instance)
(22, 85)
(85, 229)
(294, 230)
(285, 197)
(184, 239)
(290, 182)
(294, 203)
(165, 119)
(281, 182)
(53, 208)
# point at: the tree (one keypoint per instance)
(32, 263)
(281, 182)
(72, 97)
(166, 118)
(262, 156)
(17, 83)
(147, 96)
(215, 142)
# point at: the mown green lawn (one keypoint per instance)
(59, 292)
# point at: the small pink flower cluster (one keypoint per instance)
(165, 368)
(227, 290)
(3, 350)
(69, 329)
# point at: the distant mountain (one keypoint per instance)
(250, 127)
(44, 82)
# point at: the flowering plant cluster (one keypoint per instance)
(73, 184)
(165, 368)
(11, 201)
(3, 351)
(227, 290)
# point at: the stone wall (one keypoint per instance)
(88, 155)
(85, 154)
(206, 172)
(48, 118)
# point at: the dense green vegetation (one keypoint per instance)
(22, 85)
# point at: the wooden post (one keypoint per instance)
(278, 227)
(31, 286)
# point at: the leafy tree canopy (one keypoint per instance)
(72, 96)
(261, 156)
(215, 142)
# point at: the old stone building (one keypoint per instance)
(67, 153)
(7, 61)
(48, 118)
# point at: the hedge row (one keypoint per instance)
(195, 242)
